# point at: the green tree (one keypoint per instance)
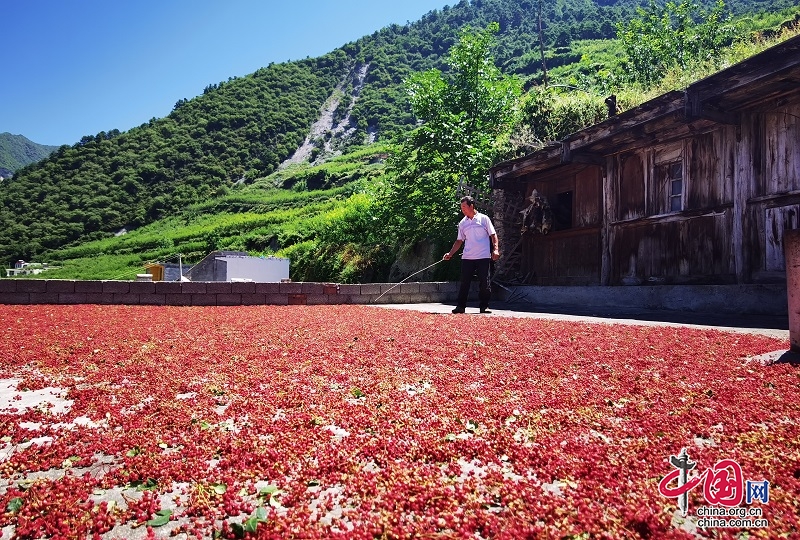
(673, 35)
(466, 118)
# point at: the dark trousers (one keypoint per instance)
(468, 269)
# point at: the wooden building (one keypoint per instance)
(692, 187)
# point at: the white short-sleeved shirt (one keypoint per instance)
(475, 234)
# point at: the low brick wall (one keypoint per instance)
(193, 293)
(739, 299)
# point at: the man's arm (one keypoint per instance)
(495, 247)
(453, 250)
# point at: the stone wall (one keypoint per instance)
(767, 299)
(186, 293)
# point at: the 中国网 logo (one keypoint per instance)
(724, 489)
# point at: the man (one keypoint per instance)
(476, 231)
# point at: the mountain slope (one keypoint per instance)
(16, 151)
(239, 129)
(243, 129)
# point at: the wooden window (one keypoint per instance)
(668, 188)
(674, 184)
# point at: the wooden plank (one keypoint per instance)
(782, 129)
(777, 221)
(784, 57)
(646, 113)
(606, 233)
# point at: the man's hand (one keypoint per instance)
(447, 256)
(495, 255)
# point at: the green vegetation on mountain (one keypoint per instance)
(238, 130)
(467, 117)
(216, 174)
(663, 37)
(17, 151)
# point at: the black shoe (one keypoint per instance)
(486, 310)
(459, 310)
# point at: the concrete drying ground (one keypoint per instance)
(775, 326)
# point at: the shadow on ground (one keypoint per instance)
(776, 322)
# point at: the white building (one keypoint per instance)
(239, 266)
(22, 268)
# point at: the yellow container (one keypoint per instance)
(155, 270)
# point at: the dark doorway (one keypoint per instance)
(562, 211)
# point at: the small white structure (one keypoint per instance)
(269, 269)
(239, 266)
(22, 268)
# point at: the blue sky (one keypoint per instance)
(70, 68)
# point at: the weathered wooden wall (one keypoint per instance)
(628, 187)
(773, 204)
(709, 167)
(742, 191)
(569, 256)
(674, 250)
(650, 244)
(732, 139)
(563, 258)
